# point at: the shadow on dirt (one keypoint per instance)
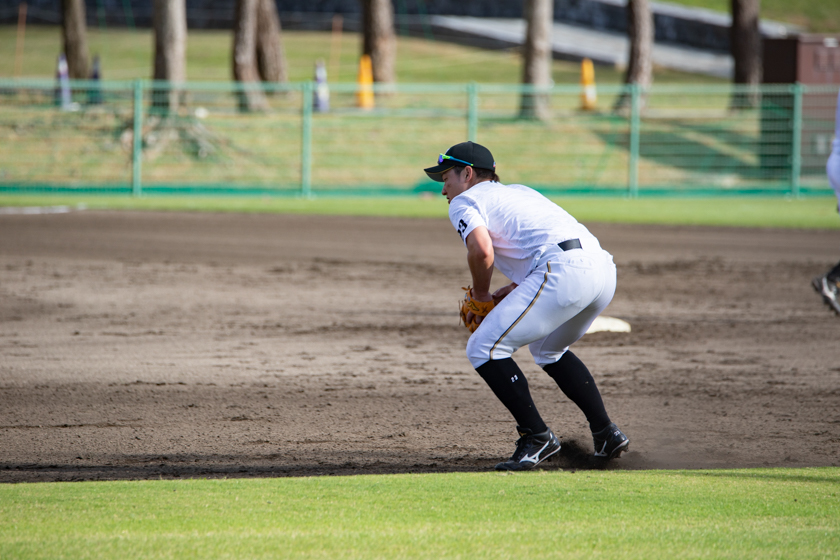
(573, 456)
(576, 456)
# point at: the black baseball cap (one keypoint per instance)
(465, 153)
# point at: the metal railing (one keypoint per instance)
(154, 137)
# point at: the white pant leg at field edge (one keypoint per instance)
(832, 169)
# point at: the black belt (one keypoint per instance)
(570, 244)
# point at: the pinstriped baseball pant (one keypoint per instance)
(550, 310)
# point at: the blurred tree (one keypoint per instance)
(271, 60)
(379, 38)
(745, 44)
(245, 70)
(169, 19)
(74, 31)
(536, 66)
(640, 58)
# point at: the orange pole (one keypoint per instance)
(21, 32)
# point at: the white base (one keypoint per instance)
(609, 324)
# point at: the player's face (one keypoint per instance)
(454, 183)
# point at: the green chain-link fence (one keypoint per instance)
(118, 137)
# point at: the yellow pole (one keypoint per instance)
(364, 96)
(588, 97)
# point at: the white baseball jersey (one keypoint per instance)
(559, 293)
(522, 224)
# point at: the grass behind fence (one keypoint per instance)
(816, 17)
(127, 54)
(690, 136)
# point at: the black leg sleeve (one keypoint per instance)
(576, 382)
(834, 273)
(510, 386)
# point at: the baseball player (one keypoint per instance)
(828, 285)
(561, 281)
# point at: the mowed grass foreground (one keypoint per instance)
(773, 212)
(765, 513)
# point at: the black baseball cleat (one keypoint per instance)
(610, 442)
(829, 289)
(531, 450)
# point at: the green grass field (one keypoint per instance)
(812, 15)
(776, 212)
(764, 513)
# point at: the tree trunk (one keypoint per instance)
(74, 29)
(170, 27)
(271, 60)
(539, 15)
(380, 41)
(745, 44)
(245, 69)
(640, 59)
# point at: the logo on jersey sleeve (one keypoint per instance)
(462, 227)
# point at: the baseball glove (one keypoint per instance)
(479, 309)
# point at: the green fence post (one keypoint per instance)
(472, 111)
(137, 147)
(306, 141)
(635, 125)
(796, 146)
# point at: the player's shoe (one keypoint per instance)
(829, 289)
(610, 442)
(531, 450)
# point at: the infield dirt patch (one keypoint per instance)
(141, 345)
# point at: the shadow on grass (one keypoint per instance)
(713, 149)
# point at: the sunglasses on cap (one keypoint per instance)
(444, 157)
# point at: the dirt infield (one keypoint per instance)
(146, 345)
